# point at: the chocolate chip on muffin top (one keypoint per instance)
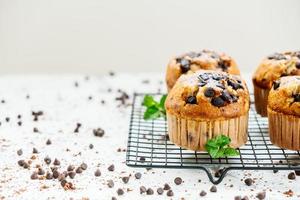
(275, 66)
(186, 60)
(219, 88)
(285, 95)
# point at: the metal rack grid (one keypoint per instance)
(149, 147)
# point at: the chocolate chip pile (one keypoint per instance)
(187, 60)
(220, 89)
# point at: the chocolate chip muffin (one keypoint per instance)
(284, 112)
(205, 104)
(270, 69)
(193, 61)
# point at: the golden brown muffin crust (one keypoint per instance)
(208, 94)
(284, 96)
(193, 61)
(276, 66)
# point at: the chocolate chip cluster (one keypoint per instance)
(286, 56)
(186, 60)
(218, 88)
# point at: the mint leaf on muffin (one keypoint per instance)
(218, 147)
(154, 109)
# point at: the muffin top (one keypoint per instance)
(193, 61)
(284, 96)
(208, 94)
(275, 66)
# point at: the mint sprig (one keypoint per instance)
(218, 147)
(154, 109)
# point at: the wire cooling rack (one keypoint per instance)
(149, 147)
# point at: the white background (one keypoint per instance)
(95, 36)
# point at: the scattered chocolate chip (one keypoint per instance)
(191, 100)
(202, 193)
(113, 198)
(19, 152)
(120, 192)
(71, 174)
(160, 191)
(111, 73)
(276, 84)
(292, 176)
(275, 171)
(21, 163)
(91, 146)
(142, 189)
(26, 165)
(56, 162)
(170, 193)
(110, 183)
(78, 170)
(99, 132)
(41, 171)
(213, 189)
(297, 172)
(218, 173)
(49, 175)
(248, 181)
(167, 186)
(36, 115)
(71, 168)
(35, 130)
(209, 92)
(217, 101)
(48, 142)
(237, 198)
(63, 182)
(78, 125)
(34, 150)
(55, 174)
(47, 160)
(150, 191)
(7, 119)
(19, 123)
(97, 172)
(111, 168)
(125, 179)
(142, 159)
(177, 180)
(83, 166)
(261, 195)
(34, 176)
(138, 175)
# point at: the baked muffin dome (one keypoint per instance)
(193, 61)
(284, 112)
(205, 104)
(270, 69)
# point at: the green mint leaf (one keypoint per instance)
(213, 152)
(218, 147)
(148, 101)
(231, 152)
(162, 101)
(151, 113)
(154, 109)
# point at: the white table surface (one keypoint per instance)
(64, 105)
